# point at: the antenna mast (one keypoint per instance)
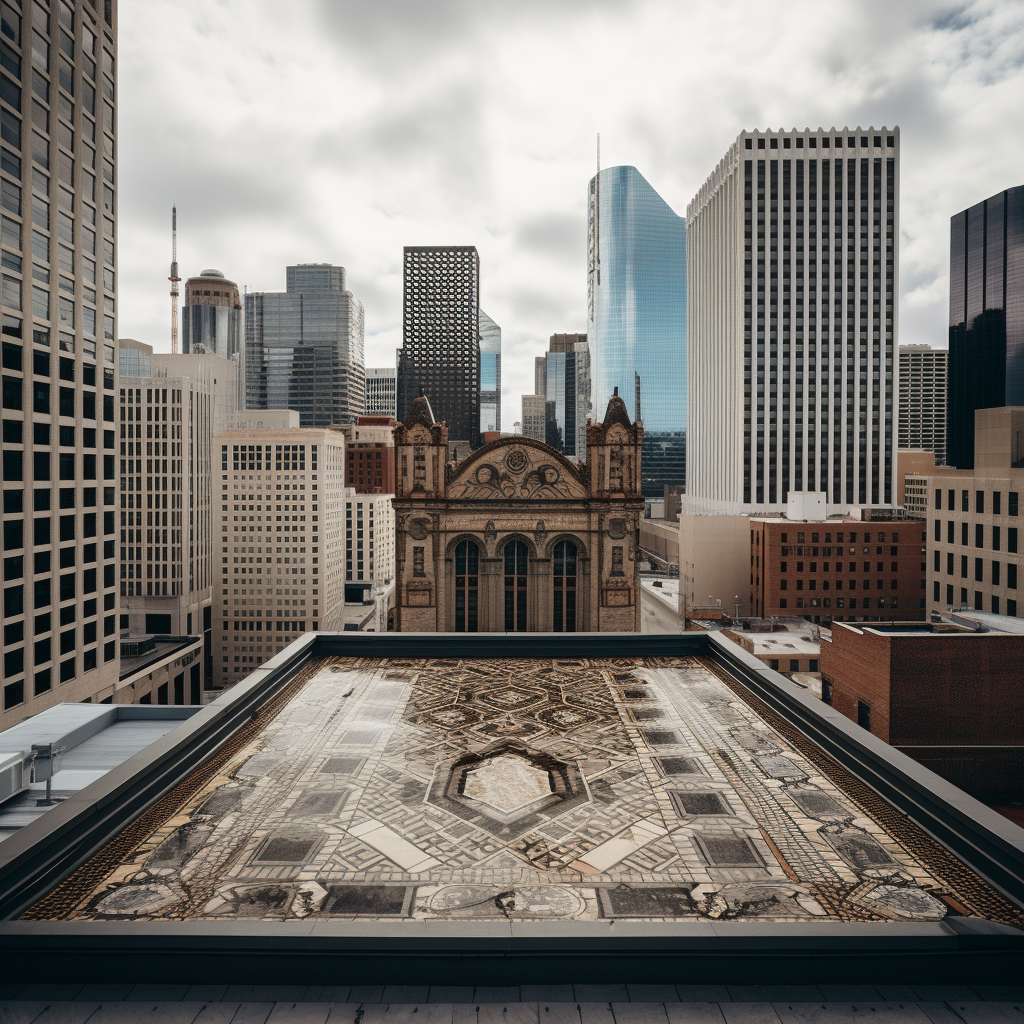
(597, 213)
(174, 279)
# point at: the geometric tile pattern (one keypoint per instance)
(481, 789)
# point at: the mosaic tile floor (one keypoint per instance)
(511, 789)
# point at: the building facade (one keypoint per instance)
(58, 177)
(565, 377)
(304, 347)
(975, 556)
(277, 578)
(212, 323)
(838, 569)
(369, 543)
(370, 455)
(490, 374)
(922, 416)
(440, 353)
(516, 538)
(381, 395)
(792, 321)
(986, 316)
(908, 687)
(534, 407)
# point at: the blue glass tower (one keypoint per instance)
(637, 315)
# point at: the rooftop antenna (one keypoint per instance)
(174, 279)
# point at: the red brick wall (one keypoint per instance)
(370, 468)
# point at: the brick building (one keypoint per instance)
(369, 454)
(840, 568)
(906, 683)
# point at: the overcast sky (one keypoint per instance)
(338, 131)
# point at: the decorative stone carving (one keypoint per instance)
(540, 531)
(490, 532)
(617, 528)
(419, 528)
(516, 461)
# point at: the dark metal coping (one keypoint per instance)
(47, 851)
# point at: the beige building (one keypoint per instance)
(282, 511)
(160, 670)
(974, 550)
(263, 419)
(534, 423)
(660, 537)
(516, 538)
(913, 466)
(923, 383)
(59, 322)
(714, 561)
(369, 543)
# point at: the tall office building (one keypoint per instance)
(490, 374)
(637, 314)
(381, 396)
(277, 579)
(440, 354)
(212, 322)
(534, 407)
(58, 88)
(565, 378)
(922, 414)
(792, 321)
(167, 535)
(304, 347)
(986, 316)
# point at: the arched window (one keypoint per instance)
(516, 554)
(564, 603)
(467, 581)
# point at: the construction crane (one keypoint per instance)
(174, 279)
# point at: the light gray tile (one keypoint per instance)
(652, 993)
(939, 1013)
(840, 1012)
(944, 993)
(344, 1013)
(206, 993)
(693, 1013)
(219, 1012)
(849, 993)
(775, 993)
(103, 993)
(132, 1011)
(601, 993)
(299, 1013)
(595, 1013)
(405, 994)
(450, 994)
(496, 994)
(419, 1013)
(986, 1012)
(22, 1012)
(547, 994)
(251, 1013)
(507, 1013)
(896, 993)
(157, 993)
(277, 993)
(366, 994)
(704, 993)
(639, 1013)
(1001, 993)
(748, 1012)
(558, 1013)
(67, 1013)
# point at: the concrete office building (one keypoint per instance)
(792, 326)
(974, 551)
(213, 323)
(534, 412)
(277, 576)
(370, 454)
(167, 530)
(986, 316)
(369, 544)
(636, 313)
(381, 394)
(490, 375)
(59, 182)
(304, 347)
(922, 414)
(440, 353)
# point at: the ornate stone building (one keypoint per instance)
(515, 538)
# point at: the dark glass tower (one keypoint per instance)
(304, 347)
(440, 354)
(986, 316)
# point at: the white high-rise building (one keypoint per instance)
(381, 393)
(923, 380)
(792, 274)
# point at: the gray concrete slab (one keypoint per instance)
(49, 993)
(450, 994)
(344, 1013)
(639, 1013)
(366, 994)
(896, 993)
(21, 1012)
(250, 1013)
(206, 993)
(411, 994)
(944, 993)
(703, 993)
(989, 1012)
(67, 1013)
(158, 993)
(419, 1013)
(1011, 993)
(601, 993)
(496, 994)
(104, 993)
(547, 994)
(694, 1013)
(848, 993)
(774, 993)
(299, 1013)
(558, 1012)
(939, 1013)
(749, 1012)
(218, 1012)
(835, 1012)
(652, 993)
(505, 1013)
(595, 1013)
(132, 1011)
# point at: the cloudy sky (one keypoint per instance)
(340, 130)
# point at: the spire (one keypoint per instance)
(174, 279)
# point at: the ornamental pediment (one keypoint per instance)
(516, 470)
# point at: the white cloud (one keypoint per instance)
(337, 131)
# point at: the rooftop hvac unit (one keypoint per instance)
(13, 778)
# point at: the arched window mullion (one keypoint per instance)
(467, 587)
(564, 583)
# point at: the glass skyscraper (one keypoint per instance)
(986, 316)
(211, 321)
(490, 374)
(637, 299)
(304, 347)
(564, 376)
